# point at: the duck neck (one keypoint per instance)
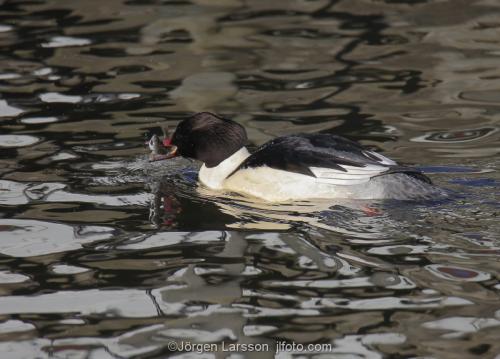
(213, 177)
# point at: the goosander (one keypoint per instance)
(294, 167)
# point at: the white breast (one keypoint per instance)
(214, 177)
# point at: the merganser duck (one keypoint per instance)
(295, 167)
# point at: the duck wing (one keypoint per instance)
(331, 159)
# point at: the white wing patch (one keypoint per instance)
(383, 160)
(354, 175)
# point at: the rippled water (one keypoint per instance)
(104, 255)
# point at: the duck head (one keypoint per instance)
(207, 138)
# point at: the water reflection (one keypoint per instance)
(459, 326)
(66, 41)
(9, 111)
(104, 255)
(457, 273)
(28, 238)
(457, 136)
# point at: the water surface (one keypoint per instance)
(104, 255)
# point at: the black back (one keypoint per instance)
(297, 153)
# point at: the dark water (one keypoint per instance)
(103, 255)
